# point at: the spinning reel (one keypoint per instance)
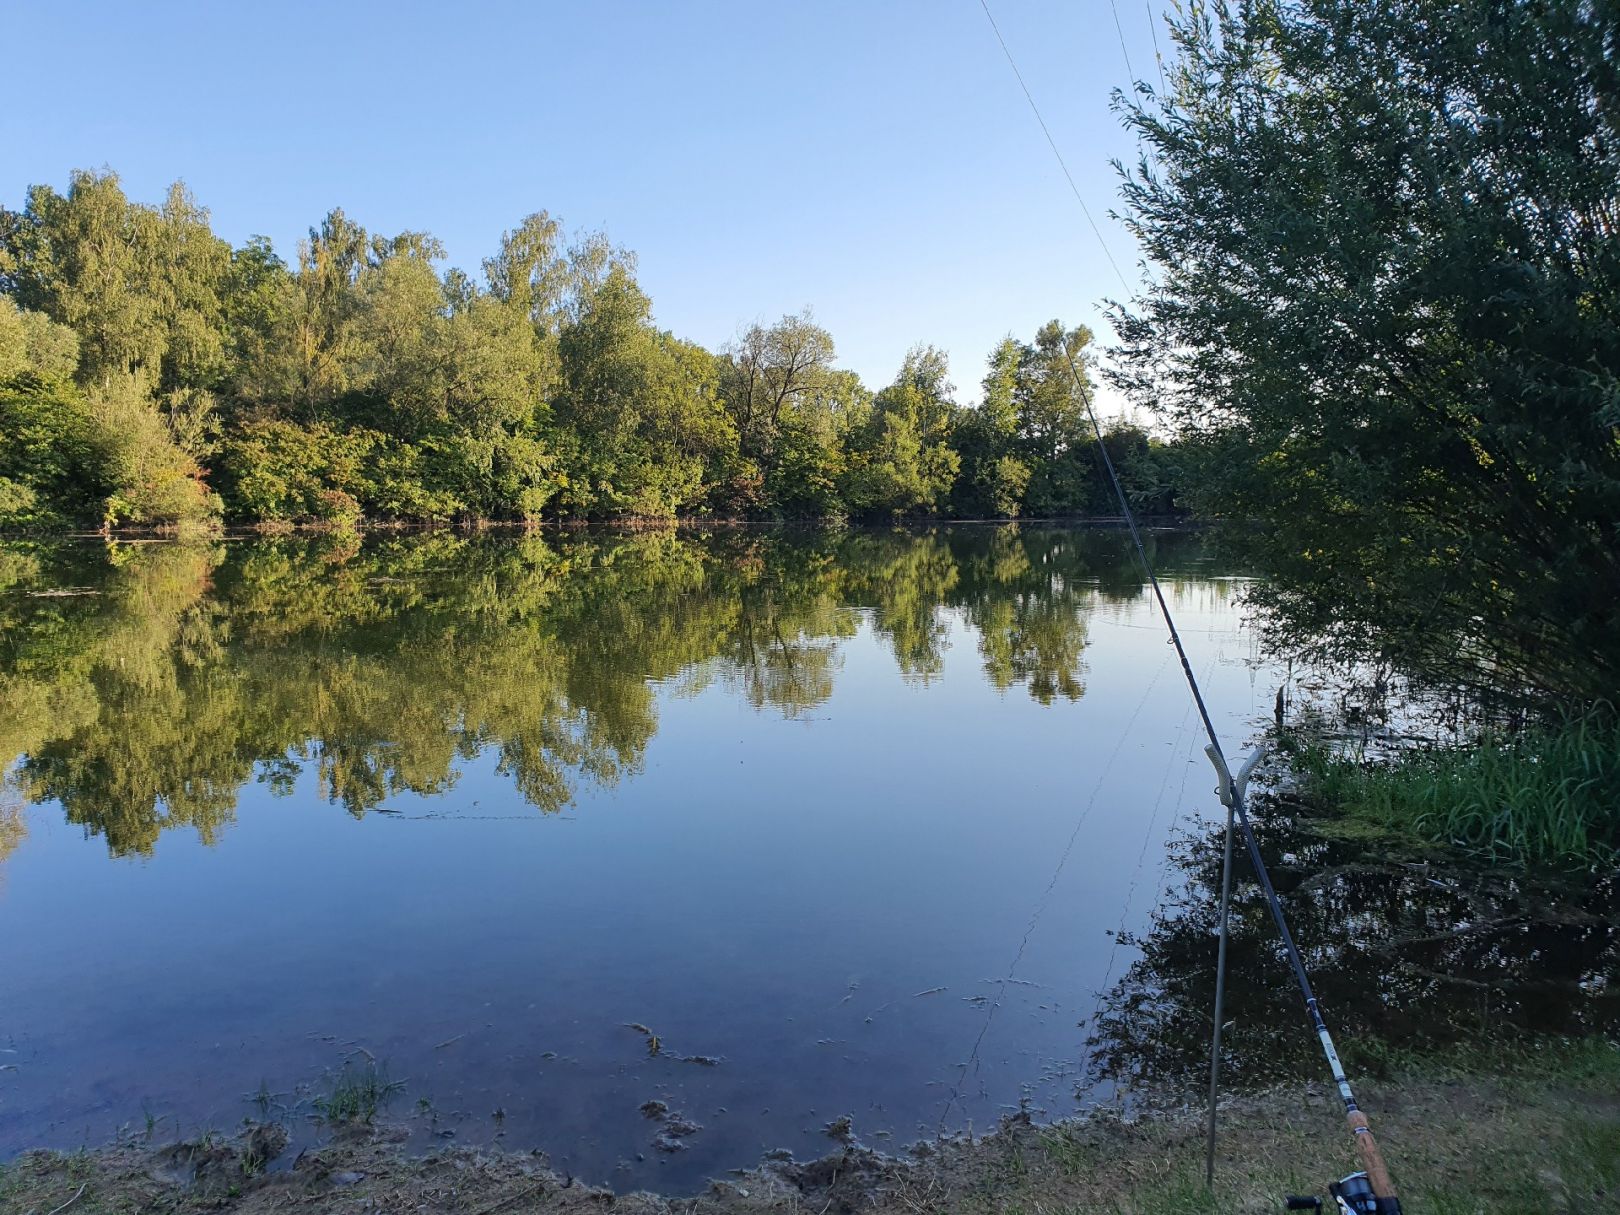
(1352, 1195)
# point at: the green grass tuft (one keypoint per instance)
(358, 1092)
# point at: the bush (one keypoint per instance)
(411, 481)
(337, 507)
(274, 470)
(18, 504)
(152, 480)
(47, 463)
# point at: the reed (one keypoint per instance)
(1547, 795)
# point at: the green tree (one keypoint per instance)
(395, 348)
(1054, 436)
(769, 370)
(51, 471)
(313, 354)
(811, 458)
(1386, 251)
(139, 285)
(994, 475)
(30, 342)
(531, 272)
(640, 407)
(492, 377)
(258, 299)
(903, 462)
(186, 269)
(80, 258)
(153, 481)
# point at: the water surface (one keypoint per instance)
(797, 804)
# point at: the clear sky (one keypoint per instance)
(873, 160)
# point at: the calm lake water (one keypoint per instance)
(798, 805)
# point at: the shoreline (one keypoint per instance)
(1530, 1128)
(473, 527)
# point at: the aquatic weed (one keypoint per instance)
(358, 1092)
(1547, 795)
(262, 1100)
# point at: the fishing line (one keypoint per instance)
(1147, 838)
(1160, 885)
(1120, 30)
(1052, 143)
(1153, 28)
(972, 1061)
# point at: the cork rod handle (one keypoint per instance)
(1372, 1160)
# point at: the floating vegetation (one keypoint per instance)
(263, 1100)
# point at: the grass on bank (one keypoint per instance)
(1547, 795)
(1493, 1127)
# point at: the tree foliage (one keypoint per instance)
(1384, 310)
(153, 375)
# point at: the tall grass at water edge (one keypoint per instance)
(1547, 795)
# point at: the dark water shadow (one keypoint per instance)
(1406, 955)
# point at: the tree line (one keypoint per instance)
(151, 374)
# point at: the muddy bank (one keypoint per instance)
(1540, 1132)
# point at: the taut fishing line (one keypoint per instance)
(1147, 839)
(972, 1062)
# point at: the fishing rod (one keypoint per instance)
(1378, 1197)
(1369, 1192)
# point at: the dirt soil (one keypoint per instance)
(1535, 1139)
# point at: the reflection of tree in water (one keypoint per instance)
(184, 671)
(782, 651)
(112, 695)
(1399, 954)
(1029, 601)
(904, 578)
(1027, 593)
(12, 825)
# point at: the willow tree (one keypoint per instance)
(1386, 275)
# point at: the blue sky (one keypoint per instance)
(874, 161)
